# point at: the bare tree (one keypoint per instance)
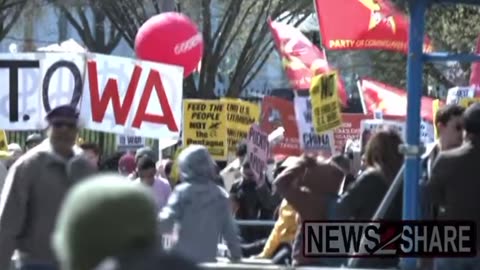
(98, 36)
(9, 13)
(226, 25)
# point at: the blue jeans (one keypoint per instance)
(38, 267)
(457, 263)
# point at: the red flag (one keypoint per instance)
(475, 72)
(300, 58)
(391, 100)
(363, 24)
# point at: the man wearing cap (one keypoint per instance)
(34, 190)
(454, 185)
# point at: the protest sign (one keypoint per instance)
(455, 94)
(310, 141)
(132, 97)
(349, 130)
(371, 126)
(240, 116)
(129, 143)
(205, 123)
(278, 112)
(34, 83)
(325, 102)
(258, 151)
(114, 94)
(466, 102)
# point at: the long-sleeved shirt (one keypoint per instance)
(30, 200)
(284, 230)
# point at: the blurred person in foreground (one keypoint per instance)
(107, 223)
(310, 185)
(34, 191)
(147, 175)
(454, 185)
(200, 208)
(383, 161)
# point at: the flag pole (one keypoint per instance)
(360, 94)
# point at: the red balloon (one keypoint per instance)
(170, 38)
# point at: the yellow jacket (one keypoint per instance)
(284, 230)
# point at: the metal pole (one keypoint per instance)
(414, 95)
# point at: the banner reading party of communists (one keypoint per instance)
(218, 124)
(363, 24)
(114, 94)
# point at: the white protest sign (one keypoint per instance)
(455, 94)
(127, 143)
(369, 127)
(34, 83)
(132, 97)
(309, 139)
(258, 151)
(427, 133)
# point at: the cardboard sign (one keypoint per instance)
(466, 102)
(132, 97)
(129, 143)
(456, 94)
(258, 151)
(278, 112)
(310, 141)
(240, 116)
(325, 102)
(371, 126)
(205, 123)
(34, 83)
(114, 94)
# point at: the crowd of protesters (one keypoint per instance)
(59, 212)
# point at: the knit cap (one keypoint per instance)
(103, 216)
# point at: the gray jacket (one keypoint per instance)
(30, 199)
(201, 209)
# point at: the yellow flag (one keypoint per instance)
(326, 114)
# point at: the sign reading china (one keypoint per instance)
(205, 123)
(325, 102)
(366, 24)
(240, 116)
(114, 94)
(258, 151)
(310, 141)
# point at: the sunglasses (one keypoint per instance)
(60, 124)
